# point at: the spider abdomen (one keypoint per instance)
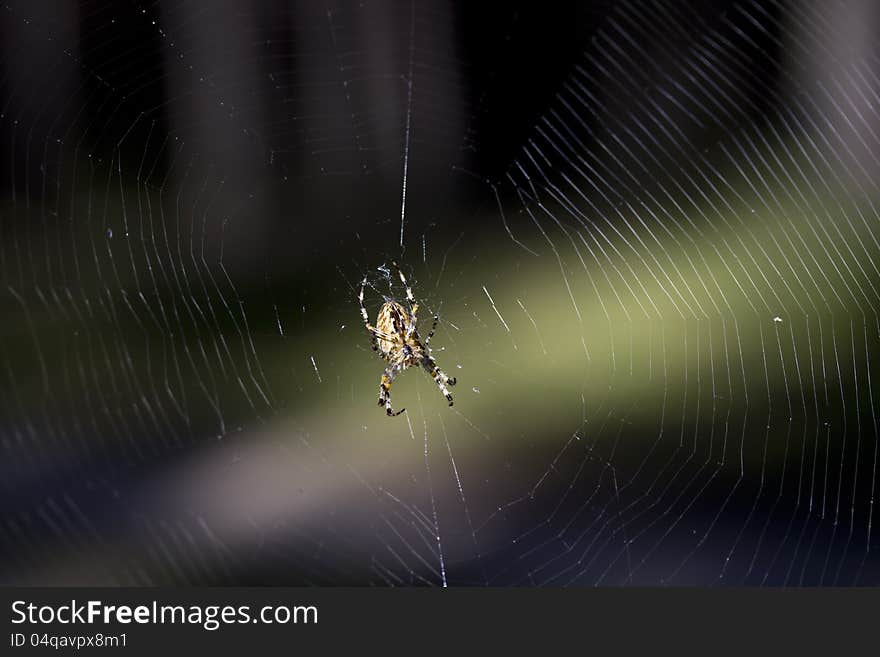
(393, 321)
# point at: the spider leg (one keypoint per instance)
(409, 294)
(433, 328)
(439, 377)
(381, 334)
(413, 306)
(370, 329)
(385, 389)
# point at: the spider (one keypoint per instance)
(396, 339)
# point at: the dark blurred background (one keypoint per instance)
(649, 230)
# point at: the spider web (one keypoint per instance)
(649, 231)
